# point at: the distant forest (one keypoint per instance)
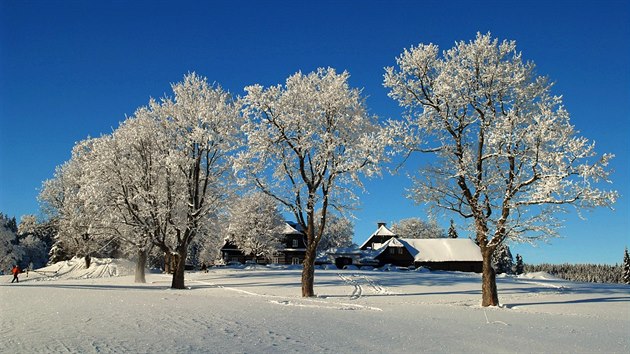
(593, 273)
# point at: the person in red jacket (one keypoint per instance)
(16, 270)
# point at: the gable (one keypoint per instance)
(378, 238)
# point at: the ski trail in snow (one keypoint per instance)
(356, 281)
(301, 302)
(357, 290)
(544, 285)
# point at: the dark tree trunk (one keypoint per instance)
(88, 261)
(308, 272)
(489, 294)
(170, 262)
(180, 264)
(141, 264)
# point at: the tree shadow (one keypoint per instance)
(574, 301)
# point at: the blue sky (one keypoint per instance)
(69, 69)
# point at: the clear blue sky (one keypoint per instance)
(69, 69)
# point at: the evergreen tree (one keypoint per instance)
(502, 260)
(11, 252)
(452, 231)
(626, 267)
(520, 267)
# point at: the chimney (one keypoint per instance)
(379, 224)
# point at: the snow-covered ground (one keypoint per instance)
(260, 310)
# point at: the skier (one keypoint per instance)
(16, 270)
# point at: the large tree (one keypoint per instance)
(126, 177)
(507, 157)
(308, 141)
(80, 222)
(202, 124)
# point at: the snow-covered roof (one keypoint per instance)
(437, 249)
(381, 231)
(344, 251)
(444, 249)
(291, 228)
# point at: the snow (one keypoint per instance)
(383, 231)
(436, 250)
(259, 309)
(444, 249)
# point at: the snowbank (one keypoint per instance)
(75, 269)
(538, 275)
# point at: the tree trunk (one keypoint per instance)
(141, 264)
(170, 262)
(308, 272)
(489, 294)
(180, 264)
(88, 261)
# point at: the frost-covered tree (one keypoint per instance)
(417, 228)
(452, 230)
(309, 141)
(502, 260)
(202, 125)
(626, 267)
(210, 247)
(80, 224)
(11, 252)
(256, 225)
(36, 238)
(506, 155)
(594, 273)
(519, 267)
(9, 222)
(127, 179)
(159, 179)
(338, 232)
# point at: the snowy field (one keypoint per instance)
(101, 310)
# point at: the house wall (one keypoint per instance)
(293, 252)
(375, 239)
(398, 256)
(474, 267)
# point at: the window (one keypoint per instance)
(295, 260)
(400, 250)
(392, 250)
(275, 260)
(295, 243)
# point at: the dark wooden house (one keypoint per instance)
(436, 254)
(292, 250)
(378, 238)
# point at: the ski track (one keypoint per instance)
(297, 302)
(359, 281)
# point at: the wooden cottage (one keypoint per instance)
(436, 254)
(292, 250)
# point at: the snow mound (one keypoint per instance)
(75, 269)
(539, 275)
